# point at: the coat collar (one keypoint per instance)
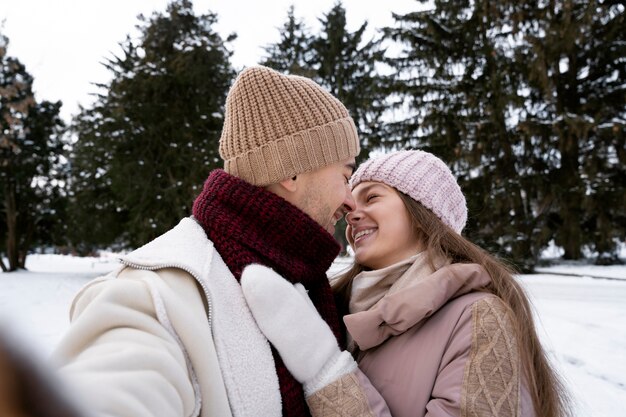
(185, 246)
(396, 313)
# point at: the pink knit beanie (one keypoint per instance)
(423, 177)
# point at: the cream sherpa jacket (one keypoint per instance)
(169, 334)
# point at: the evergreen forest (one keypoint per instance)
(525, 101)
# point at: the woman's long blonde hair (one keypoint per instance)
(548, 393)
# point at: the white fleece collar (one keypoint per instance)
(244, 353)
(185, 246)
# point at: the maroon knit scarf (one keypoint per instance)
(249, 225)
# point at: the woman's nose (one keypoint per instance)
(353, 216)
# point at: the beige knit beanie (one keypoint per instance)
(277, 126)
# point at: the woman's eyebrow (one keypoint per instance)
(366, 188)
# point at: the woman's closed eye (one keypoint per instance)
(371, 197)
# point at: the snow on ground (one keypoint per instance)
(581, 322)
(35, 303)
(580, 319)
(583, 269)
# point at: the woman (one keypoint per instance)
(438, 326)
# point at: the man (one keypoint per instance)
(170, 333)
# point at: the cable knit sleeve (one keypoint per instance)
(480, 374)
(350, 396)
(491, 381)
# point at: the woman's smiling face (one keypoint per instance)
(379, 229)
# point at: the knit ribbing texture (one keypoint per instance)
(249, 224)
(423, 177)
(277, 126)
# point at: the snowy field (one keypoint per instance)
(581, 319)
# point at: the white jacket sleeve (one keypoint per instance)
(119, 359)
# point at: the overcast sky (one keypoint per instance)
(63, 42)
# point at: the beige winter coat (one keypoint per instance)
(169, 334)
(430, 351)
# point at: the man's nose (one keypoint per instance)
(353, 216)
(348, 202)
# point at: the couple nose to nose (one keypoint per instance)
(352, 212)
(349, 207)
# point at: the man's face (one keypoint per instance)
(324, 194)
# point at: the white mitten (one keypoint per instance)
(288, 319)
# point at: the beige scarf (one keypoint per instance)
(369, 287)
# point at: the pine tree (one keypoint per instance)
(147, 144)
(460, 85)
(348, 66)
(31, 148)
(577, 109)
(344, 63)
(484, 84)
(292, 54)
